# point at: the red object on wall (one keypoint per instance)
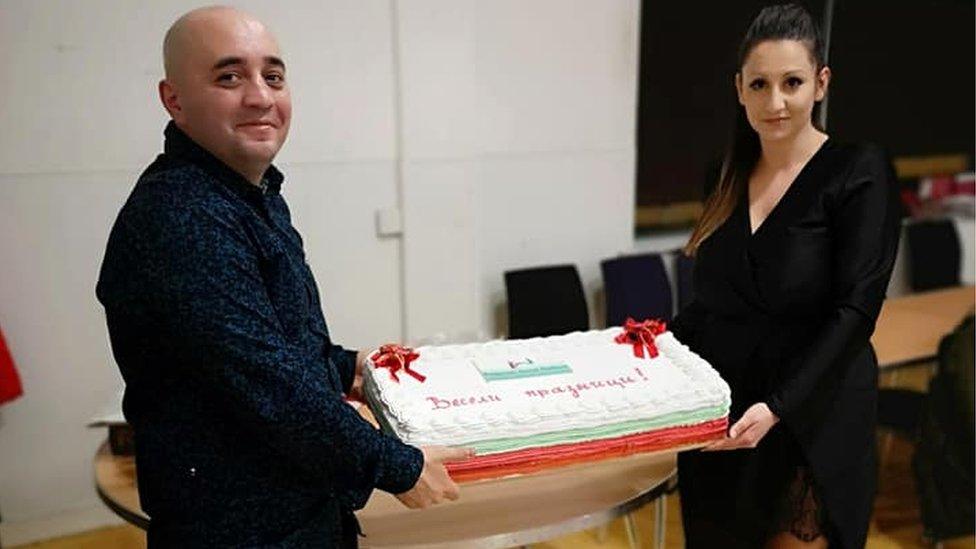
(10, 387)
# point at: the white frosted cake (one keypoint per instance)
(527, 404)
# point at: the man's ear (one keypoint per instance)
(169, 99)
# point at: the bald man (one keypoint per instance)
(233, 386)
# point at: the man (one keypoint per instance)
(233, 386)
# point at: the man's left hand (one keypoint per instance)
(356, 391)
(748, 431)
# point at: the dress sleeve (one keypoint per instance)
(865, 231)
(200, 276)
(687, 324)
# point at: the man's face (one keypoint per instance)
(229, 91)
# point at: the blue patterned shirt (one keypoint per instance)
(233, 385)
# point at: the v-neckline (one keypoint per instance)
(753, 232)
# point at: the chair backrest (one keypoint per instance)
(636, 286)
(946, 447)
(934, 254)
(684, 268)
(545, 301)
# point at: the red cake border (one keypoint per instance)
(537, 459)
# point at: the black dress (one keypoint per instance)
(785, 315)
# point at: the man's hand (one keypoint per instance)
(748, 431)
(435, 485)
(356, 391)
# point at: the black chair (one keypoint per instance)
(934, 255)
(900, 410)
(545, 301)
(945, 452)
(684, 267)
(636, 286)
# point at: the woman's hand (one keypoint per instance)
(748, 431)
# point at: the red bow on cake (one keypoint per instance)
(641, 335)
(397, 358)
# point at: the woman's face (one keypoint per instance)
(778, 86)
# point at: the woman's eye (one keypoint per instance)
(757, 84)
(794, 82)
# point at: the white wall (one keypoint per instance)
(518, 124)
(502, 129)
(967, 238)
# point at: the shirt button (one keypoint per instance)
(193, 471)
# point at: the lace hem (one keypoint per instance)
(800, 510)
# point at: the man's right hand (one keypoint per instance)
(435, 485)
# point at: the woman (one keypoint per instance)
(793, 255)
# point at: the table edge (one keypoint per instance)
(546, 532)
(132, 517)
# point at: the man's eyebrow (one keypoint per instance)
(272, 60)
(228, 61)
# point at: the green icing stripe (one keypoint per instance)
(595, 433)
(533, 371)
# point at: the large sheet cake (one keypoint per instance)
(526, 405)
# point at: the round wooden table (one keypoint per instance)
(495, 513)
(911, 326)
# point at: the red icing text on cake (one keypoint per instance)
(576, 388)
(443, 403)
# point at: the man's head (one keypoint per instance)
(225, 87)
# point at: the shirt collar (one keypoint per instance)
(181, 146)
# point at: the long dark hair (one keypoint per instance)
(782, 22)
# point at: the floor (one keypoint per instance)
(895, 523)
